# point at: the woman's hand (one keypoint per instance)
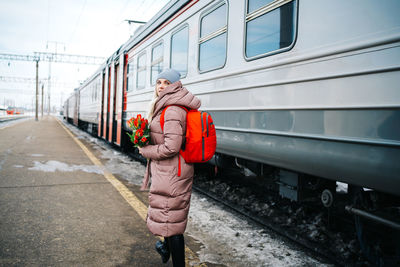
(140, 151)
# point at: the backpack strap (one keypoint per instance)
(162, 118)
(162, 121)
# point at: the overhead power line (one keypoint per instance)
(18, 57)
(28, 80)
(67, 58)
(55, 57)
(22, 91)
(17, 91)
(78, 21)
(19, 79)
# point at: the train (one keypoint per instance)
(10, 110)
(307, 89)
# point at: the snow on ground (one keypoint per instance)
(232, 241)
(226, 238)
(53, 165)
(341, 187)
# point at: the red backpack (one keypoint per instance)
(200, 141)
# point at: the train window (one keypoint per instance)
(179, 51)
(130, 85)
(141, 71)
(156, 61)
(212, 43)
(270, 27)
(253, 5)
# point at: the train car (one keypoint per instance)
(65, 109)
(15, 111)
(305, 88)
(71, 108)
(89, 104)
(10, 111)
(288, 83)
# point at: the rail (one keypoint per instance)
(12, 117)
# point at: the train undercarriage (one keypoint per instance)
(374, 217)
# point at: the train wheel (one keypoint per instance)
(379, 244)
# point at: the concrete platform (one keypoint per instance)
(74, 217)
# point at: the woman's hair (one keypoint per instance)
(152, 105)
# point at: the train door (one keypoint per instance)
(101, 119)
(110, 109)
(116, 125)
(107, 105)
(76, 109)
(124, 100)
(66, 106)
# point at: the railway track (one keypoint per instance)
(12, 117)
(316, 251)
(279, 222)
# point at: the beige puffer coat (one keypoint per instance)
(169, 197)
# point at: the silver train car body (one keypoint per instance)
(326, 105)
(318, 95)
(71, 108)
(90, 102)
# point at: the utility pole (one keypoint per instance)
(61, 100)
(37, 90)
(42, 98)
(48, 94)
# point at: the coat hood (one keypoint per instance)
(175, 94)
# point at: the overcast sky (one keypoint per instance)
(82, 27)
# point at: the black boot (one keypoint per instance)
(177, 247)
(163, 249)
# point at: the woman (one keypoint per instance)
(169, 196)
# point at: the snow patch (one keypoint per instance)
(232, 241)
(52, 166)
(341, 187)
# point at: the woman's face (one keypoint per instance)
(161, 84)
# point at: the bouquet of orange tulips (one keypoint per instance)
(140, 131)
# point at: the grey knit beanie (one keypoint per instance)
(170, 75)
